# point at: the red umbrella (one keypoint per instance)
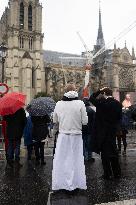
(11, 102)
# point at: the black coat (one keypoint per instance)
(88, 129)
(107, 120)
(15, 124)
(40, 127)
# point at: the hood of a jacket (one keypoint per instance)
(71, 94)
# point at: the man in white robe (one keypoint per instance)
(68, 164)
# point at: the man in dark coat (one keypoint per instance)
(39, 133)
(108, 116)
(15, 126)
(87, 131)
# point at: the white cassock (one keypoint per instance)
(68, 165)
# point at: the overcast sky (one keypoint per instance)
(63, 18)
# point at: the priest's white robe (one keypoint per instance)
(68, 164)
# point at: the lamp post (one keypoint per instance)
(3, 54)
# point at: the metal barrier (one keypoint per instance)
(2, 144)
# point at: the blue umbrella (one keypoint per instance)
(41, 106)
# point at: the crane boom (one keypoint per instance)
(115, 39)
(88, 52)
(82, 40)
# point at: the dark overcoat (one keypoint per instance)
(88, 129)
(40, 127)
(107, 120)
(15, 124)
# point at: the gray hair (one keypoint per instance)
(70, 87)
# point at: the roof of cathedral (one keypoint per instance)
(54, 57)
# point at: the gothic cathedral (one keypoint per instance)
(21, 31)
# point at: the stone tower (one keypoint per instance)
(21, 30)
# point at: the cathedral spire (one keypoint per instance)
(125, 44)
(114, 45)
(133, 54)
(100, 40)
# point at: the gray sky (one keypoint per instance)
(63, 18)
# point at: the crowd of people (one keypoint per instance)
(80, 127)
(97, 122)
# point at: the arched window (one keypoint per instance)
(21, 20)
(31, 43)
(30, 18)
(21, 42)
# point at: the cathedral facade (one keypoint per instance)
(21, 31)
(121, 73)
(30, 69)
(115, 68)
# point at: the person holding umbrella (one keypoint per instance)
(40, 110)
(39, 134)
(11, 108)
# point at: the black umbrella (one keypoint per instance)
(41, 106)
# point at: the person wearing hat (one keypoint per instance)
(68, 164)
(108, 117)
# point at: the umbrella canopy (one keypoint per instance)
(41, 106)
(11, 102)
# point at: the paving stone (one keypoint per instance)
(31, 185)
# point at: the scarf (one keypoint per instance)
(69, 96)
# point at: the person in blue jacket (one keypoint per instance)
(28, 137)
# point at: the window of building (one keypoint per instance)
(30, 18)
(125, 57)
(30, 43)
(21, 42)
(21, 21)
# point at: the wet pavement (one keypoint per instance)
(31, 185)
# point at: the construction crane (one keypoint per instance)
(89, 62)
(116, 38)
(89, 56)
